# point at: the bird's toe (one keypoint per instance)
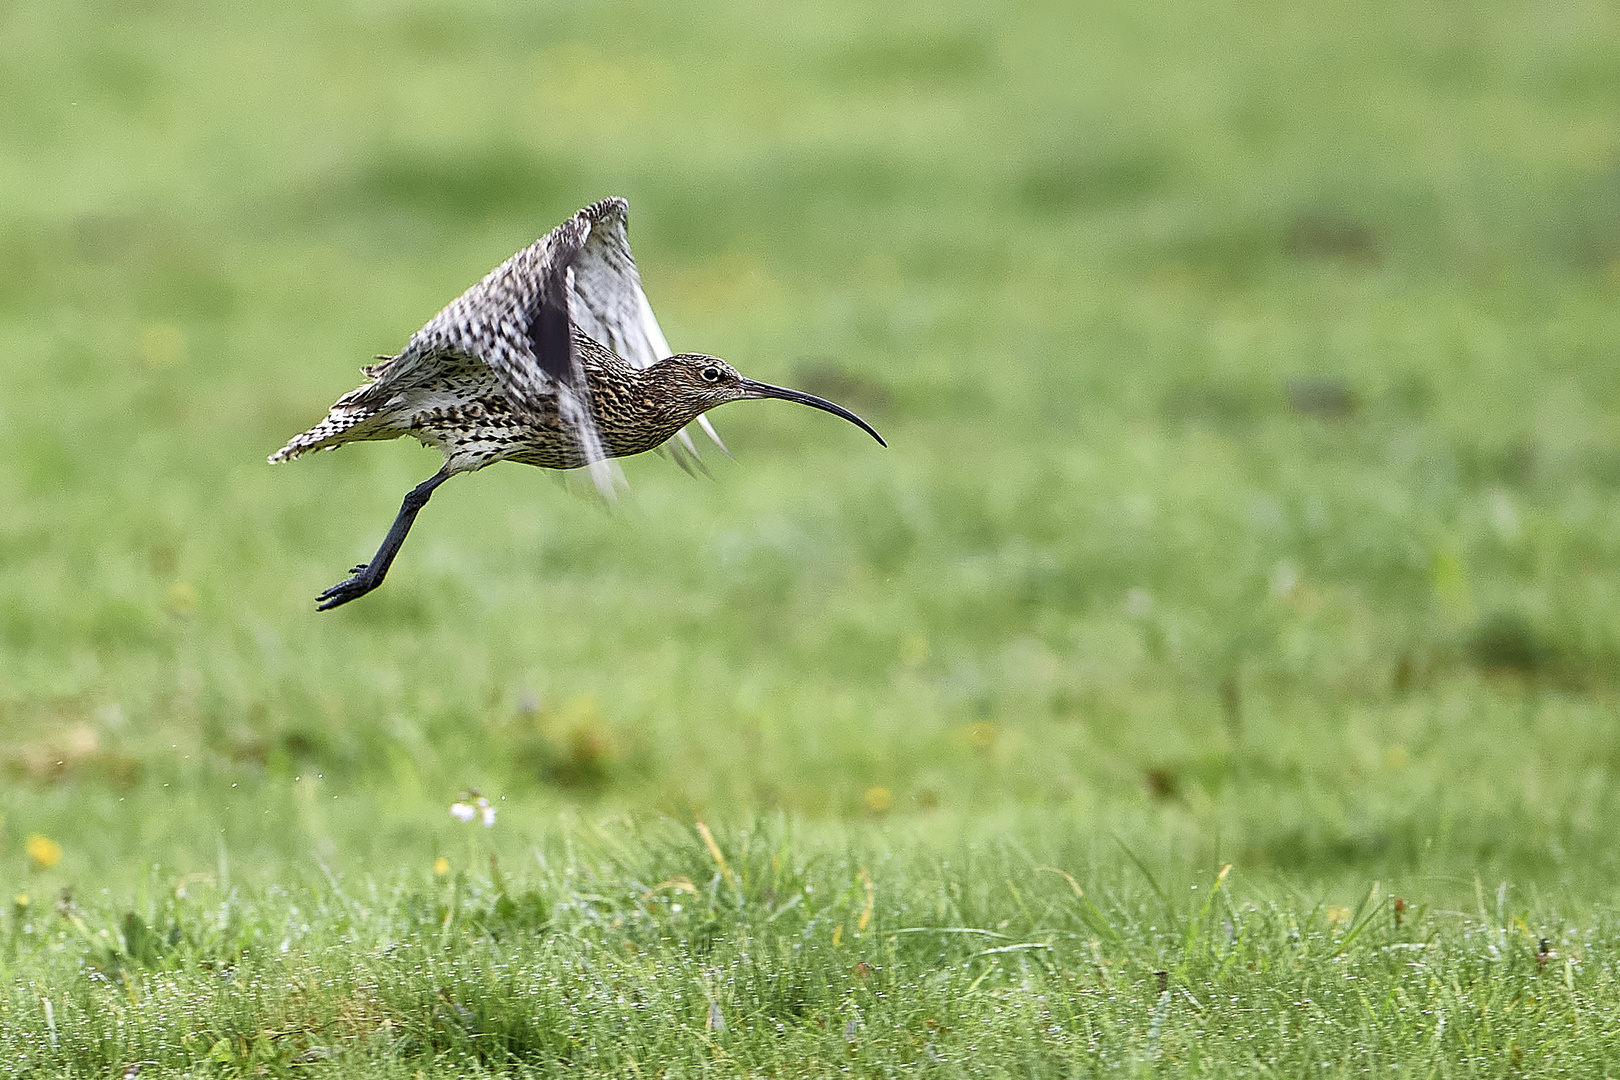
(348, 589)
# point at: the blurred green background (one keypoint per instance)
(1248, 372)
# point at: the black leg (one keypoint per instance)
(370, 575)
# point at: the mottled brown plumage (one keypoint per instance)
(553, 359)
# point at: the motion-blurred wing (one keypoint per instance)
(517, 320)
(607, 303)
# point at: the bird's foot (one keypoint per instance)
(351, 588)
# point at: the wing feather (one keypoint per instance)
(519, 320)
(608, 303)
(516, 320)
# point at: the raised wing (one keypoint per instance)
(606, 301)
(517, 321)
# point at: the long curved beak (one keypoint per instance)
(755, 389)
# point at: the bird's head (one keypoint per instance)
(701, 382)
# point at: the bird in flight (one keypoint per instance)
(553, 359)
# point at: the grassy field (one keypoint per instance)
(1252, 502)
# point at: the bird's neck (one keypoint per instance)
(631, 406)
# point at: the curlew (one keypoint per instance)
(553, 359)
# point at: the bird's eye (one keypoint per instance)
(711, 374)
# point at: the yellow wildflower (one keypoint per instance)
(43, 852)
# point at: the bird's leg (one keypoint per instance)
(370, 575)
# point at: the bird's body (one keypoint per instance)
(460, 409)
(554, 359)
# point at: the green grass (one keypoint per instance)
(629, 951)
(1253, 498)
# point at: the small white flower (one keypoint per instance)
(472, 806)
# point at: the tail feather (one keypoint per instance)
(342, 425)
(350, 420)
